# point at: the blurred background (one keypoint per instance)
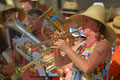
(112, 6)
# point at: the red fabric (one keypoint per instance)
(46, 32)
(55, 78)
(56, 51)
(42, 6)
(114, 70)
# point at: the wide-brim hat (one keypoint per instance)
(115, 25)
(70, 8)
(97, 13)
(17, 7)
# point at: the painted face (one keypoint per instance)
(35, 22)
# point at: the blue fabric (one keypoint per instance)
(77, 77)
(12, 34)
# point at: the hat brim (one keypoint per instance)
(21, 13)
(117, 31)
(109, 33)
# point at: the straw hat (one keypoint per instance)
(96, 12)
(115, 25)
(16, 6)
(70, 8)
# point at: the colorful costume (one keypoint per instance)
(99, 73)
